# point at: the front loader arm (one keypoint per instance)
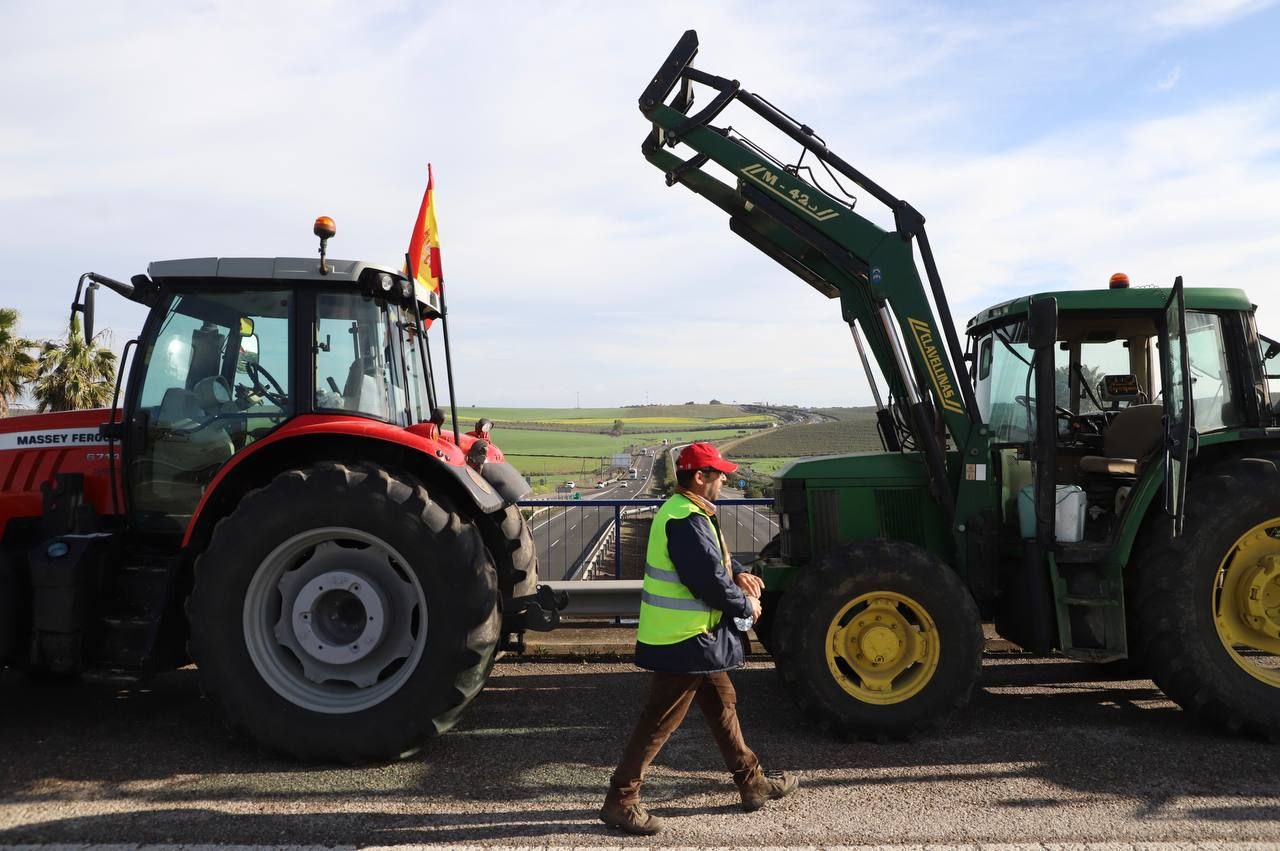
(824, 242)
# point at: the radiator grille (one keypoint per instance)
(898, 511)
(826, 520)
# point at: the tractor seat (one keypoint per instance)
(362, 391)
(1131, 436)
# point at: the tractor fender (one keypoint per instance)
(506, 480)
(312, 438)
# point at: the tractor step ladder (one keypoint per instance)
(1095, 611)
(132, 617)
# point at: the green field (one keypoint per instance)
(856, 432)
(762, 466)
(577, 455)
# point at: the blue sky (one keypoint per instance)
(1048, 145)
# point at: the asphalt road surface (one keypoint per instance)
(1048, 751)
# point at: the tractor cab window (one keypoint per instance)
(216, 378)
(360, 359)
(1003, 384)
(1215, 401)
(414, 341)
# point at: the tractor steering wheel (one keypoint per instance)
(1063, 413)
(274, 393)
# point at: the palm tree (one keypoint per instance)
(75, 374)
(17, 366)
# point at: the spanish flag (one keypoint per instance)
(424, 245)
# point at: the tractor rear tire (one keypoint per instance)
(1209, 600)
(343, 613)
(881, 640)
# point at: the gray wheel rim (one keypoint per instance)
(335, 621)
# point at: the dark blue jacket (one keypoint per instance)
(694, 546)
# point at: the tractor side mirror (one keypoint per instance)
(248, 353)
(1042, 323)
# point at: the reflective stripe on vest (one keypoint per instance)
(669, 611)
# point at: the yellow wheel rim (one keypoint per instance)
(882, 647)
(1246, 602)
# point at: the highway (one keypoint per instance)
(563, 534)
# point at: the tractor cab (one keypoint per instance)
(1110, 364)
(234, 348)
(1093, 425)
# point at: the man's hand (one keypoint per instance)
(750, 584)
(756, 607)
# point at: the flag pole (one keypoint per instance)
(448, 363)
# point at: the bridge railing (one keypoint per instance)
(595, 548)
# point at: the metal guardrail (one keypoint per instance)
(581, 549)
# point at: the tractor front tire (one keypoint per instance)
(1209, 600)
(343, 613)
(881, 640)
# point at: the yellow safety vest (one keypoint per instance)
(669, 611)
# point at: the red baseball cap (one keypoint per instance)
(699, 456)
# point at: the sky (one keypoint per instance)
(1048, 145)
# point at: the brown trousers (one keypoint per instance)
(669, 698)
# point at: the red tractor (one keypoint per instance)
(276, 501)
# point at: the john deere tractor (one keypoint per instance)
(277, 499)
(1096, 472)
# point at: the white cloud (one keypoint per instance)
(1181, 15)
(1169, 80)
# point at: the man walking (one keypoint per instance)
(692, 594)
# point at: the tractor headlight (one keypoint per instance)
(385, 282)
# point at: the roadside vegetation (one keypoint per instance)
(59, 375)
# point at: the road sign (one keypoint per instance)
(742, 483)
(622, 460)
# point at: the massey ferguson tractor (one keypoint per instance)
(277, 501)
(1095, 471)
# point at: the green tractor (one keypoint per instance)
(1096, 472)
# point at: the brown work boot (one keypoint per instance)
(633, 819)
(761, 787)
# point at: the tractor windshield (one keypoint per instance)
(1096, 354)
(367, 360)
